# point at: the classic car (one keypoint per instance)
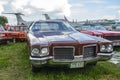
(116, 27)
(54, 42)
(100, 31)
(18, 32)
(5, 36)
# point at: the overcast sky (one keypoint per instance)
(72, 9)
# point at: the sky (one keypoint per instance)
(73, 9)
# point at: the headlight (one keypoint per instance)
(102, 48)
(106, 48)
(35, 52)
(39, 52)
(109, 48)
(44, 51)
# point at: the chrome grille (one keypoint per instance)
(63, 53)
(89, 51)
(112, 37)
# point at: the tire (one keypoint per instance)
(22, 40)
(92, 63)
(14, 40)
(34, 69)
(7, 42)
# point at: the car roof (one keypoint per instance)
(56, 20)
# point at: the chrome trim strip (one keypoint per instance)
(105, 54)
(50, 57)
(76, 59)
(45, 58)
(40, 62)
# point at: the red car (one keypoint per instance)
(54, 42)
(5, 36)
(18, 32)
(100, 31)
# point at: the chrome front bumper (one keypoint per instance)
(3, 40)
(105, 56)
(49, 61)
(39, 62)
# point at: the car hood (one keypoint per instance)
(109, 33)
(4, 32)
(64, 37)
(105, 33)
(91, 32)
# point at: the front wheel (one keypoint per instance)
(14, 40)
(34, 69)
(92, 63)
(7, 42)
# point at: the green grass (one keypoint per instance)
(14, 65)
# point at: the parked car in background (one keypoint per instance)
(18, 32)
(116, 27)
(5, 36)
(100, 31)
(55, 42)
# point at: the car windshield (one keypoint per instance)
(52, 26)
(90, 27)
(1, 28)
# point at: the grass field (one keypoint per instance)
(14, 65)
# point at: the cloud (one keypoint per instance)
(34, 8)
(30, 6)
(118, 15)
(81, 10)
(97, 1)
(78, 5)
(108, 17)
(2, 3)
(118, 11)
(113, 7)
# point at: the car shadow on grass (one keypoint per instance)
(101, 70)
(56, 69)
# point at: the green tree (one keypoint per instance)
(3, 20)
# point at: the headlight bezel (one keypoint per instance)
(44, 54)
(39, 53)
(106, 48)
(35, 53)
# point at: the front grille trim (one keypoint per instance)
(92, 45)
(63, 47)
(112, 37)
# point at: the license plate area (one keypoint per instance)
(77, 65)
